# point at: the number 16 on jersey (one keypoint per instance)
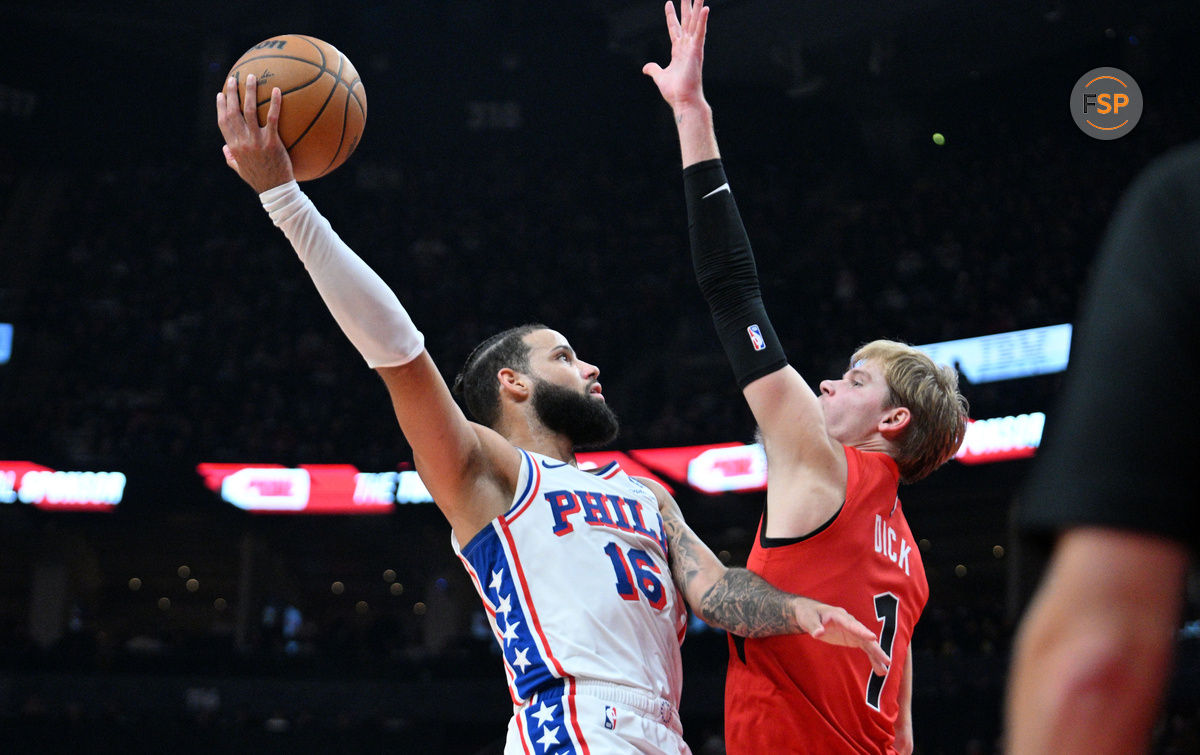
(636, 572)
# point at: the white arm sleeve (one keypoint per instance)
(366, 309)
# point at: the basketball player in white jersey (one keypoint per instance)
(572, 566)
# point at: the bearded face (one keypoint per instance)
(588, 422)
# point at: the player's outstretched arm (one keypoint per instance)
(741, 602)
(786, 409)
(462, 464)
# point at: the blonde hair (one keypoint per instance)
(930, 392)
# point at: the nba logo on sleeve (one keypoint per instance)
(756, 339)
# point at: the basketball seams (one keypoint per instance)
(321, 111)
(357, 82)
(322, 121)
(315, 45)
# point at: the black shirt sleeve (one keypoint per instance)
(1122, 440)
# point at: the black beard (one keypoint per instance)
(588, 422)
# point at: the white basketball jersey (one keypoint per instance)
(575, 582)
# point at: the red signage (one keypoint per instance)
(1002, 438)
(712, 468)
(597, 459)
(307, 489)
(342, 489)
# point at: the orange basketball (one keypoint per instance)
(324, 102)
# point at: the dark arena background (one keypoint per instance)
(166, 364)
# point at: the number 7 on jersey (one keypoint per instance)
(887, 610)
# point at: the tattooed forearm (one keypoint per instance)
(744, 603)
(685, 552)
(737, 600)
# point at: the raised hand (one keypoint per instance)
(255, 152)
(680, 82)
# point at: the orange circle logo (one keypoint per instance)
(1106, 103)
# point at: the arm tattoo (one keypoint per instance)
(740, 601)
(744, 603)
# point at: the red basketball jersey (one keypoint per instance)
(796, 694)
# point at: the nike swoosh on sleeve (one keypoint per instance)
(718, 190)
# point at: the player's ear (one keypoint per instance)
(515, 384)
(893, 421)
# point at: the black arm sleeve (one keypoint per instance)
(728, 278)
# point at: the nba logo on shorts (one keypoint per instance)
(756, 338)
(610, 717)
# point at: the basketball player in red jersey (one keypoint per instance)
(833, 525)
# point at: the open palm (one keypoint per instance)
(680, 82)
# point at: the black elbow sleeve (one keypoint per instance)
(725, 270)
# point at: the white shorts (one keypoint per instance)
(597, 718)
